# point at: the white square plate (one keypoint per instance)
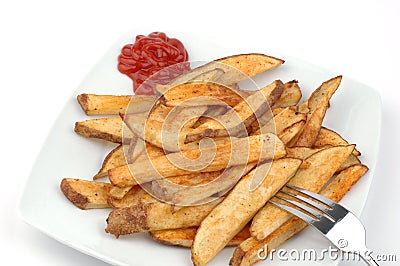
(355, 113)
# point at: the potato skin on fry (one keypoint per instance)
(86, 194)
(155, 215)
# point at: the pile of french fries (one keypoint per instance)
(162, 181)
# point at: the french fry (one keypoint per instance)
(317, 105)
(247, 252)
(131, 198)
(328, 137)
(240, 117)
(320, 167)
(114, 159)
(207, 93)
(290, 96)
(289, 133)
(109, 129)
(93, 104)
(249, 150)
(232, 214)
(281, 121)
(86, 194)
(236, 68)
(155, 215)
(183, 237)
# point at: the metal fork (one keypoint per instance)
(335, 222)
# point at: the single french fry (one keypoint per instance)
(94, 104)
(236, 68)
(236, 210)
(328, 137)
(183, 237)
(248, 150)
(246, 253)
(236, 120)
(114, 159)
(289, 133)
(86, 194)
(109, 129)
(317, 105)
(290, 96)
(201, 93)
(131, 198)
(320, 167)
(155, 215)
(281, 121)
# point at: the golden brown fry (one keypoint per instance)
(109, 129)
(247, 252)
(321, 166)
(86, 194)
(236, 120)
(289, 133)
(328, 137)
(114, 159)
(240, 205)
(207, 93)
(317, 105)
(281, 121)
(155, 216)
(290, 96)
(236, 68)
(183, 237)
(246, 150)
(132, 197)
(93, 104)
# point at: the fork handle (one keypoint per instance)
(369, 260)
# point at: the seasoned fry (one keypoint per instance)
(249, 150)
(321, 166)
(185, 95)
(153, 216)
(236, 68)
(281, 121)
(232, 214)
(328, 137)
(247, 252)
(86, 194)
(109, 129)
(290, 96)
(114, 159)
(241, 116)
(93, 104)
(317, 105)
(289, 133)
(131, 198)
(183, 237)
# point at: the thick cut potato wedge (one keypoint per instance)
(93, 104)
(236, 120)
(86, 194)
(289, 133)
(131, 198)
(328, 137)
(236, 68)
(155, 215)
(236, 152)
(114, 159)
(281, 121)
(231, 215)
(320, 167)
(246, 253)
(200, 93)
(317, 105)
(183, 237)
(109, 129)
(290, 96)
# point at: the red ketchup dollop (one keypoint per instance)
(148, 56)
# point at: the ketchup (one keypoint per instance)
(148, 56)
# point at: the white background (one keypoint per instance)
(47, 47)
